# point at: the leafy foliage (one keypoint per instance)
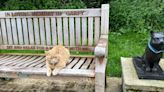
(136, 15)
(42, 4)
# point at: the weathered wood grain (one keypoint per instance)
(36, 31)
(31, 31)
(25, 31)
(84, 31)
(51, 13)
(14, 32)
(72, 31)
(105, 19)
(65, 31)
(71, 65)
(80, 63)
(9, 32)
(59, 31)
(4, 32)
(54, 31)
(47, 30)
(26, 61)
(86, 64)
(78, 31)
(90, 31)
(1, 39)
(96, 30)
(19, 28)
(42, 31)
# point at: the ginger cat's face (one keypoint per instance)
(54, 61)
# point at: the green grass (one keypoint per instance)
(124, 45)
(41, 52)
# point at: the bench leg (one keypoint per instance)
(100, 78)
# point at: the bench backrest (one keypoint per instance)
(37, 29)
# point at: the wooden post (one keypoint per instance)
(104, 19)
(100, 74)
(100, 63)
(101, 51)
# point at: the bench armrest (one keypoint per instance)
(101, 48)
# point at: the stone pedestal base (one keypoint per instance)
(131, 82)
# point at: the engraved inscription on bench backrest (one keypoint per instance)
(69, 27)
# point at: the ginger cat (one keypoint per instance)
(56, 59)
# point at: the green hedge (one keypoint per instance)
(125, 15)
(40, 4)
(136, 15)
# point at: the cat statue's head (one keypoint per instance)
(157, 40)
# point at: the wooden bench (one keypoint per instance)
(84, 30)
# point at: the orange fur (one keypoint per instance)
(59, 55)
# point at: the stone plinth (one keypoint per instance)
(130, 80)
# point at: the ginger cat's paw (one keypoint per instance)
(49, 72)
(55, 71)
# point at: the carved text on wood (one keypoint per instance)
(58, 13)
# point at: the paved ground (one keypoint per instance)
(33, 85)
(113, 84)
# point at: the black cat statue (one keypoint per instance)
(147, 66)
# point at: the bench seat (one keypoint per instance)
(28, 65)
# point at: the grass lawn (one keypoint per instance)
(125, 45)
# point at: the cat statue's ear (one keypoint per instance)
(151, 32)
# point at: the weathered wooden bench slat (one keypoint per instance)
(42, 31)
(25, 31)
(51, 13)
(22, 60)
(27, 61)
(6, 62)
(65, 31)
(9, 33)
(72, 31)
(33, 63)
(87, 63)
(7, 58)
(42, 71)
(71, 65)
(4, 57)
(78, 31)
(90, 31)
(30, 30)
(14, 31)
(96, 30)
(60, 31)
(41, 64)
(54, 32)
(20, 34)
(79, 63)
(84, 31)
(4, 31)
(36, 31)
(1, 40)
(92, 65)
(48, 32)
